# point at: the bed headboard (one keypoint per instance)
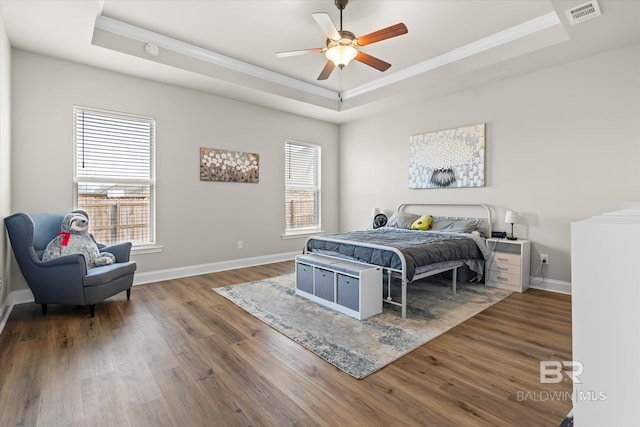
(478, 211)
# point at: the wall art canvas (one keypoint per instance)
(228, 166)
(449, 158)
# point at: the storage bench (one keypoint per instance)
(349, 287)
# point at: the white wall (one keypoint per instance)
(5, 155)
(197, 222)
(562, 144)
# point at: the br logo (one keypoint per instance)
(551, 371)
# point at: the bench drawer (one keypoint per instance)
(349, 292)
(324, 283)
(304, 277)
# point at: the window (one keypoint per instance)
(302, 187)
(114, 174)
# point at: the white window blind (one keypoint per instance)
(302, 187)
(113, 174)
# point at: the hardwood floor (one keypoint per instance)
(179, 354)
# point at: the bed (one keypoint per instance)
(455, 238)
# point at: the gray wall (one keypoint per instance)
(562, 144)
(197, 222)
(5, 154)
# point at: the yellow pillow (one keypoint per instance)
(423, 223)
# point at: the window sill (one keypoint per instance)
(301, 234)
(146, 249)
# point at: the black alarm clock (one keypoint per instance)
(380, 220)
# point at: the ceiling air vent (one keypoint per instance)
(583, 12)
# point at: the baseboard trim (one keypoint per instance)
(550, 285)
(21, 296)
(195, 270)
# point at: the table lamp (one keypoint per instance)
(510, 218)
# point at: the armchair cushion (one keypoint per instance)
(107, 273)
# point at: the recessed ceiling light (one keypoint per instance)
(152, 49)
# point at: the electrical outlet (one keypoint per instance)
(240, 244)
(544, 258)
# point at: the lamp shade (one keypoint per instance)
(341, 55)
(510, 217)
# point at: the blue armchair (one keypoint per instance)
(65, 280)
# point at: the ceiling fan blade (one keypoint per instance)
(372, 61)
(326, 71)
(326, 24)
(299, 52)
(383, 34)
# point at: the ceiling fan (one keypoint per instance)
(342, 45)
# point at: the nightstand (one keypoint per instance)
(508, 265)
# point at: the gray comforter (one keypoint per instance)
(419, 248)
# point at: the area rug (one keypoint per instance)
(361, 347)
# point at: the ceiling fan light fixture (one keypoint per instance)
(342, 45)
(341, 51)
(341, 55)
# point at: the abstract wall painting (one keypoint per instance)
(228, 166)
(450, 158)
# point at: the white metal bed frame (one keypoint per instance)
(485, 227)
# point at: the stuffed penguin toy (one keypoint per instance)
(74, 237)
